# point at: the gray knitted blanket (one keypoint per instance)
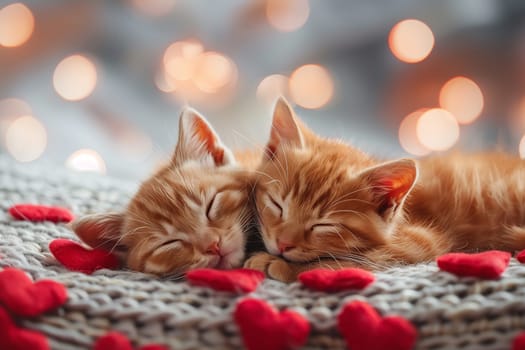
(448, 312)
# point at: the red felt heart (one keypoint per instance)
(490, 264)
(364, 329)
(34, 212)
(519, 342)
(263, 327)
(118, 341)
(21, 296)
(521, 256)
(113, 341)
(237, 281)
(14, 338)
(77, 258)
(325, 280)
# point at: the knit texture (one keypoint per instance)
(448, 312)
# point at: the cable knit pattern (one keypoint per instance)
(448, 312)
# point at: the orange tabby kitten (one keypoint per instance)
(323, 203)
(193, 212)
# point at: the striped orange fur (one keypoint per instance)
(324, 203)
(192, 212)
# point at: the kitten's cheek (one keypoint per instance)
(271, 245)
(272, 249)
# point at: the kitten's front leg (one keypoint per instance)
(274, 267)
(286, 271)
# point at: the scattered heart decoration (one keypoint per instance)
(488, 265)
(23, 297)
(521, 257)
(235, 281)
(364, 329)
(332, 281)
(113, 341)
(519, 342)
(118, 341)
(263, 327)
(35, 212)
(76, 257)
(14, 338)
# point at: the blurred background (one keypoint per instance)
(98, 85)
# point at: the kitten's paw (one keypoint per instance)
(259, 261)
(273, 266)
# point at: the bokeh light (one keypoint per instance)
(163, 82)
(75, 78)
(180, 59)
(408, 138)
(193, 75)
(10, 109)
(14, 107)
(154, 8)
(271, 88)
(463, 98)
(26, 138)
(287, 15)
(213, 72)
(522, 147)
(437, 129)
(311, 86)
(411, 40)
(16, 25)
(86, 160)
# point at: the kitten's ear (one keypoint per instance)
(285, 130)
(199, 142)
(390, 184)
(100, 230)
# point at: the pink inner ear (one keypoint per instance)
(396, 188)
(208, 138)
(392, 183)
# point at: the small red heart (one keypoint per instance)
(14, 338)
(77, 258)
(521, 257)
(237, 280)
(21, 296)
(34, 212)
(489, 265)
(325, 280)
(364, 329)
(118, 341)
(519, 342)
(263, 327)
(113, 341)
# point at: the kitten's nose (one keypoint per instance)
(214, 249)
(284, 246)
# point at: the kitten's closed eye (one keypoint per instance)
(273, 205)
(212, 208)
(171, 243)
(221, 200)
(322, 227)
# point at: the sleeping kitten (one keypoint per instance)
(323, 203)
(193, 212)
